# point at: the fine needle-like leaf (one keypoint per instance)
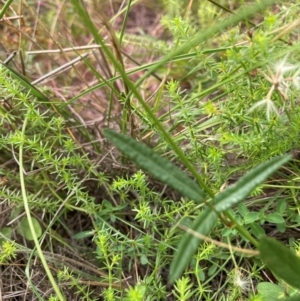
(26, 84)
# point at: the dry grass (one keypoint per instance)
(48, 35)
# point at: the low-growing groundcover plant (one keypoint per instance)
(213, 123)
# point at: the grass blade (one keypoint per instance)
(157, 166)
(5, 8)
(189, 243)
(280, 260)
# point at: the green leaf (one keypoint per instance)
(24, 229)
(257, 230)
(266, 298)
(243, 210)
(7, 232)
(212, 270)
(294, 298)
(251, 217)
(144, 259)
(239, 191)
(26, 84)
(281, 206)
(271, 290)
(16, 211)
(275, 218)
(84, 234)
(281, 261)
(189, 243)
(157, 166)
(281, 227)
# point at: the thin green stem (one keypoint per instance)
(28, 214)
(5, 8)
(125, 21)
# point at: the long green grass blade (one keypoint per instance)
(5, 8)
(189, 243)
(157, 166)
(239, 191)
(280, 260)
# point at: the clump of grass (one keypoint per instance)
(210, 103)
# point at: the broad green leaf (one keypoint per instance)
(144, 259)
(157, 166)
(294, 298)
(271, 290)
(251, 217)
(16, 211)
(24, 229)
(281, 227)
(281, 206)
(243, 210)
(275, 218)
(281, 261)
(189, 243)
(26, 84)
(257, 230)
(266, 298)
(212, 269)
(239, 191)
(7, 232)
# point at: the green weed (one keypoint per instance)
(210, 120)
